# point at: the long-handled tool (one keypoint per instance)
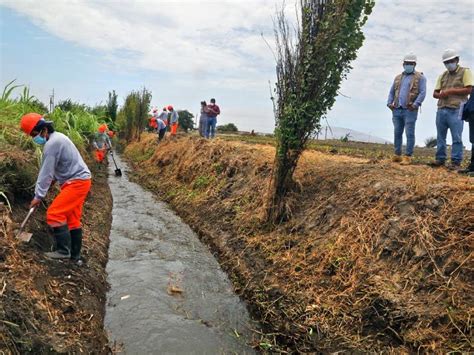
(24, 236)
(118, 172)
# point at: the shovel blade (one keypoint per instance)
(118, 172)
(24, 236)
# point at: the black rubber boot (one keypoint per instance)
(470, 169)
(76, 243)
(63, 243)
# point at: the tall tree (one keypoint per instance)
(112, 106)
(310, 67)
(185, 120)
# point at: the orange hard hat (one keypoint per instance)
(102, 128)
(170, 107)
(29, 121)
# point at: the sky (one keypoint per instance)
(192, 50)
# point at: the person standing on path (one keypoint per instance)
(203, 119)
(101, 143)
(214, 111)
(405, 98)
(173, 119)
(452, 90)
(63, 163)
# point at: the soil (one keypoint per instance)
(375, 256)
(49, 306)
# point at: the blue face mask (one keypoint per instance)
(409, 68)
(39, 140)
(451, 66)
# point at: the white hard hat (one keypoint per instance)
(410, 57)
(449, 54)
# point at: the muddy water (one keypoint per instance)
(167, 294)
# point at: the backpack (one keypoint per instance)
(468, 109)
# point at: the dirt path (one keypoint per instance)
(168, 293)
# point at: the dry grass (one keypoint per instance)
(376, 256)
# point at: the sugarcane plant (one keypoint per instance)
(311, 63)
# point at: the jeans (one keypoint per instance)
(211, 127)
(404, 119)
(449, 118)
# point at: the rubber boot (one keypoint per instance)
(76, 243)
(63, 243)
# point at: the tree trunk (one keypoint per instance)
(281, 184)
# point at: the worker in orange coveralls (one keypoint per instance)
(101, 143)
(173, 117)
(63, 163)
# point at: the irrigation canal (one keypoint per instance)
(167, 293)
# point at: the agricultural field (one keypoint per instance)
(374, 151)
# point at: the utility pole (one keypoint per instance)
(51, 102)
(326, 133)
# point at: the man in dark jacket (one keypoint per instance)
(468, 115)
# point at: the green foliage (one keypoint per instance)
(229, 127)
(69, 105)
(18, 169)
(345, 138)
(185, 120)
(431, 142)
(76, 122)
(133, 117)
(202, 181)
(112, 106)
(310, 69)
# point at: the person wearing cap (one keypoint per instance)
(452, 90)
(63, 163)
(173, 119)
(213, 112)
(101, 143)
(404, 99)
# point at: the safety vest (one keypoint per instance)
(450, 80)
(413, 91)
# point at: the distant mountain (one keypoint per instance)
(339, 132)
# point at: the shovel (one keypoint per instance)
(24, 236)
(118, 172)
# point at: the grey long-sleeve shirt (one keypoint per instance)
(61, 162)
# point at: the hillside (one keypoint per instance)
(376, 256)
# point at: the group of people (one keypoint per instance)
(452, 90)
(165, 120)
(208, 119)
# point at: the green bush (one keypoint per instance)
(229, 127)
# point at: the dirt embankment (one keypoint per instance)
(375, 257)
(51, 306)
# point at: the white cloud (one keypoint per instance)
(192, 37)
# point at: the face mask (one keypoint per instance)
(409, 68)
(451, 66)
(39, 140)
